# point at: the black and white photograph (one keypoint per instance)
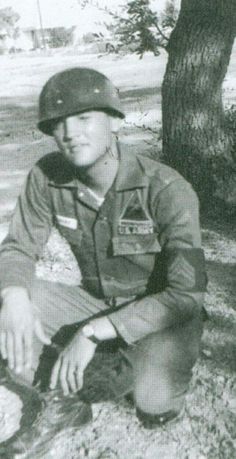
(117, 229)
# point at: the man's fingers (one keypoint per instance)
(55, 374)
(79, 375)
(40, 333)
(72, 378)
(3, 343)
(28, 343)
(10, 350)
(19, 359)
(63, 377)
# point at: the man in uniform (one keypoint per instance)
(133, 226)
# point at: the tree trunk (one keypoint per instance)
(195, 140)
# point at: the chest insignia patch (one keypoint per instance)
(68, 222)
(134, 218)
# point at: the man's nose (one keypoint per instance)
(71, 128)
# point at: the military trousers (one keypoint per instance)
(161, 363)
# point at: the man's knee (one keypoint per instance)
(155, 396)
(162, 364)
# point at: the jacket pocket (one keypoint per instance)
(135, 244)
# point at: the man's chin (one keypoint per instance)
(79, 164)
(75, 161)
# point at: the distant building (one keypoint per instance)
(84, 21)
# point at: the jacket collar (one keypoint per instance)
(130, 173)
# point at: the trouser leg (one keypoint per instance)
(57, 305)
(161, 362)
(162, 367)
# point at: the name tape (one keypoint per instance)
(68, 222)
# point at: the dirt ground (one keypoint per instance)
(207, 427)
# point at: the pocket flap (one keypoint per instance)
(135, 244)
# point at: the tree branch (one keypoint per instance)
(161, 33)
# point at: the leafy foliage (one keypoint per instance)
(169, 17)
(8, 20)
(138, 28)
(59, 37)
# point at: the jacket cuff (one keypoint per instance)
(121, 328)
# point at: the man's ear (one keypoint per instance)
(115, 124)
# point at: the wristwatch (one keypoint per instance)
(88, 332)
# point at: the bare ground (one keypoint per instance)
(207, 427)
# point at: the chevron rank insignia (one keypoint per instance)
(186, 269)
(181, 272)
(134, 218)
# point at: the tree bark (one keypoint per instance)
(195, 139)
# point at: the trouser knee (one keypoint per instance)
(162, 365)
(158, 396)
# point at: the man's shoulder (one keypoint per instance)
(53, 167)
(159, 173)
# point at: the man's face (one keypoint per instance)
(84, 138)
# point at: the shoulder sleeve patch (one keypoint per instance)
(186, 269)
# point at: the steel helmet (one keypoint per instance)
(74, 91)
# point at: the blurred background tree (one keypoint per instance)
(59, 37)
(8, 20)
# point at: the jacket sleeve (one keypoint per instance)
(182, 267)
(28, 232)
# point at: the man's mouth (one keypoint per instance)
(77, 146)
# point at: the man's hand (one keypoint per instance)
(71, 364)
(17, 327)
(73, 360)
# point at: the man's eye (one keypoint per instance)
(55, 125)
(83, 117)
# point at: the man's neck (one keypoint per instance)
(100, 176)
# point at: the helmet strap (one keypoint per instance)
(111, 152)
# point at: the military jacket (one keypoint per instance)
(140, 250)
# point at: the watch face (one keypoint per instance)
(88, 331)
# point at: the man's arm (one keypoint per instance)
(28, 232)
(27, 235)
(177, 217)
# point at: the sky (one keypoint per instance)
(65, 13)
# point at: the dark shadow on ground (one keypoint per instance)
(21, 143)
(219, 339)
(18, 116)
(220, 220)
(224, 277)
(140, 92)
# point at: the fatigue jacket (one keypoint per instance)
(141, 247)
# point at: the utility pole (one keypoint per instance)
(41, 24)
